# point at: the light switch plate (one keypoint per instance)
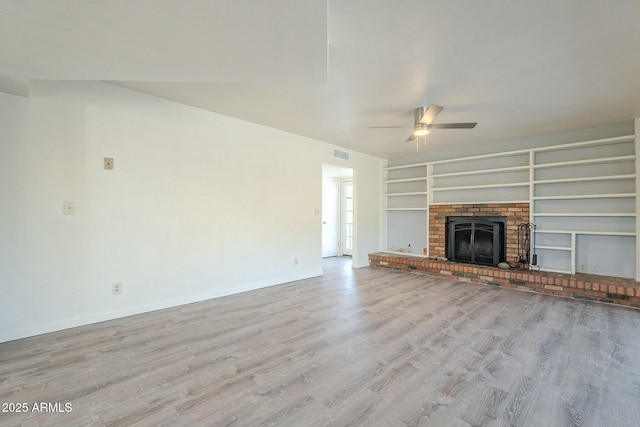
(108, 163)
(69, 208)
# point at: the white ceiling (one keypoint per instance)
(330, 69)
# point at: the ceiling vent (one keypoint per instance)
(341, 154)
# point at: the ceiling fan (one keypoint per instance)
(422, 122)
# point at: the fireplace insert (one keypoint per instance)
(476, 239)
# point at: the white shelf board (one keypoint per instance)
(391, 181)
(476, 187)
(484, 156)
(482, 171)
(415, 193)
(559, 147)
(584, 214)
(413, 165)
(479, 202)
(405, 253)
(555, 270)
(603, 141)
(585, 179)
(553, 248)
(586, 196)
(406, 209)
(585, 161)
(587, 232)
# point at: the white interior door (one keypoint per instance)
(330, 217)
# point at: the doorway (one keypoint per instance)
(330, 217)
(337, 211)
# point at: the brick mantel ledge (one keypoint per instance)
(588, 287)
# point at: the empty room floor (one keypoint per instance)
(354, 347)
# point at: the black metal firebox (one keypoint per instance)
(477, 239)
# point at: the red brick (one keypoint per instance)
(563, 294)
(595, 293)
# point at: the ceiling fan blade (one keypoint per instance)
(389, 127)
(430, 114)
(453, 126)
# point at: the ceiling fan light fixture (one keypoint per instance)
(421, 131)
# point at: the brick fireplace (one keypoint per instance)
(514, 213)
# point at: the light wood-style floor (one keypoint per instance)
(368, 347)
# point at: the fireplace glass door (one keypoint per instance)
(476, 240)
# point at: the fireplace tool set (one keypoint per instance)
(525, 243)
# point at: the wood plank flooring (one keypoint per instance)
(366, 347)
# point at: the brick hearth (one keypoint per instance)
(612, 290)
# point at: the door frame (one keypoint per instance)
(342, 174)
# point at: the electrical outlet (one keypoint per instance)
(594, 268)
(583, 267)
(108, 163)
(116, 288)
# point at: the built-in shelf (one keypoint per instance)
(525, 176)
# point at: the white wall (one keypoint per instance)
(198, 206)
